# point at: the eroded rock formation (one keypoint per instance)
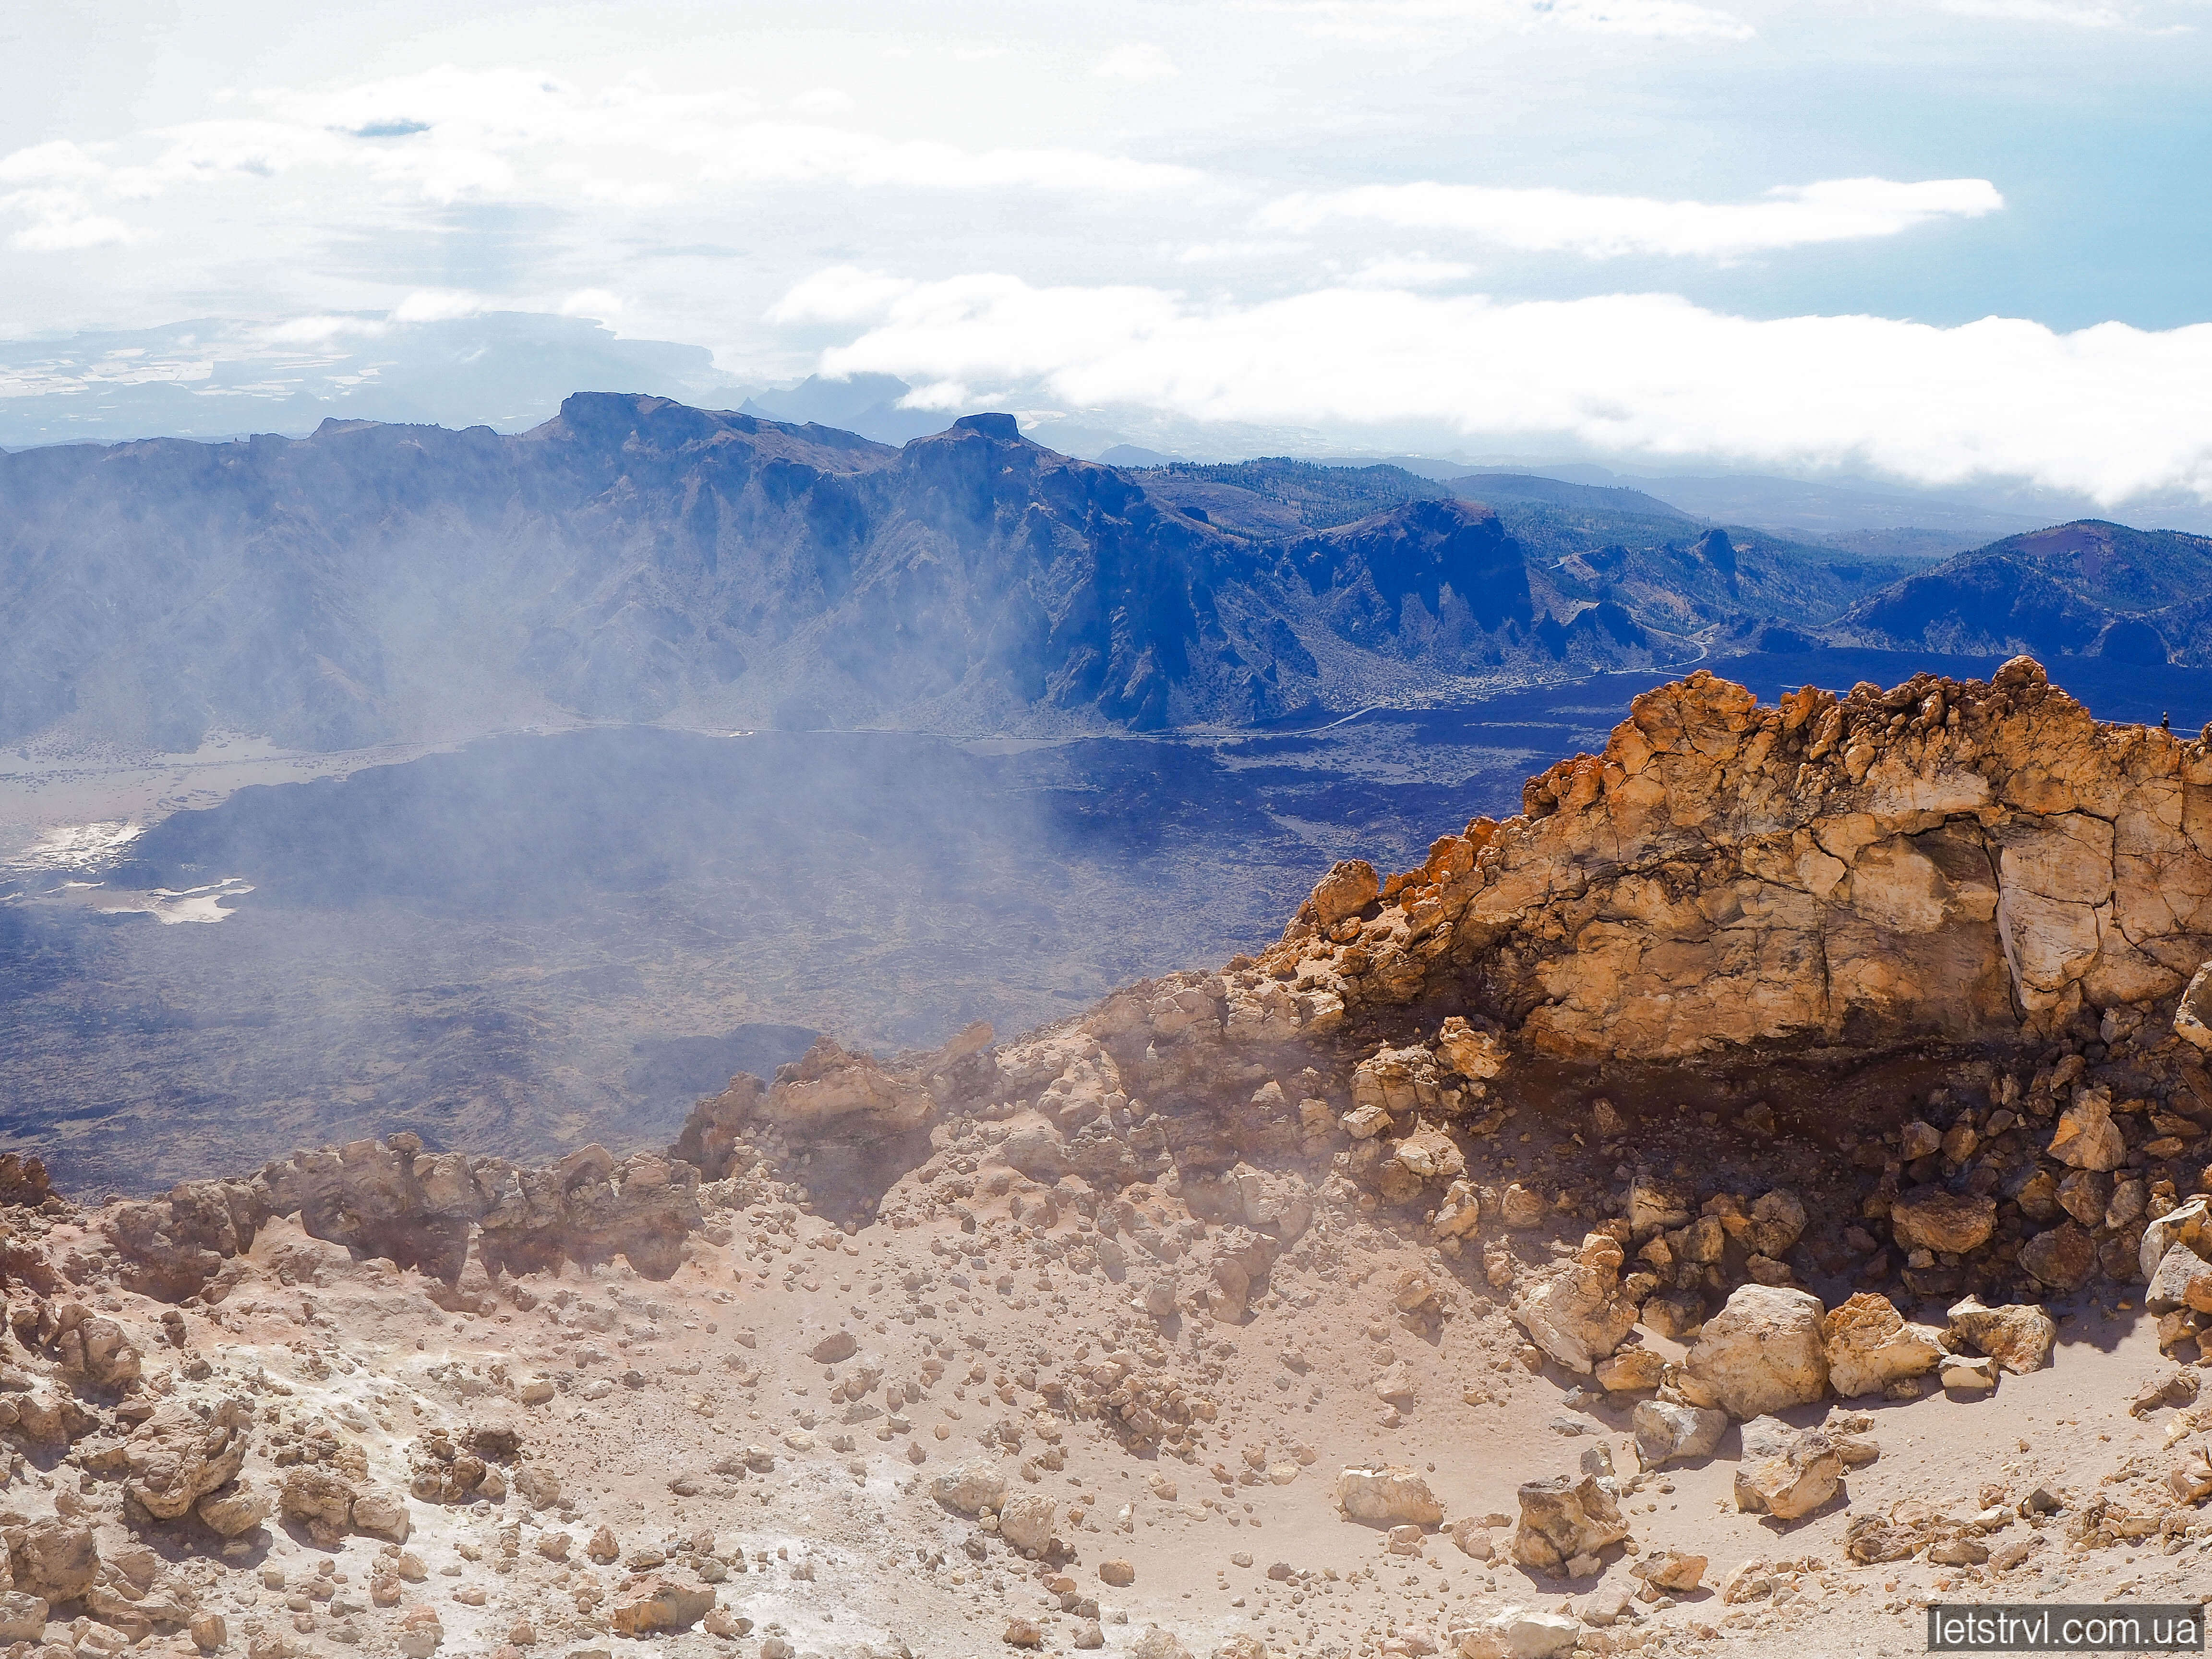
(1966, 860)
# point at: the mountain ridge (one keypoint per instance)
(635, 559)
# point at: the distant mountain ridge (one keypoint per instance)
(636, 559)
(2089, 588)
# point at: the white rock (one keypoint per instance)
(1763, 1352)
(1388, 1496)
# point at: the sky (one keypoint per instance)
(1942, 242)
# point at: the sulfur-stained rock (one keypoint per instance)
(1763, 1352)
(1868, 1346)
(1564, 1518)
(1929, 1218)
(1575, 1312)
(320, 1500)
(235, 1510)
(177, 1458)
(1786, 1473)
(1630, 1370)
(2188, 1222)
(1388, 1496)
(660, 1603)
(2086, 1137)
(1349, 888)
(1668, 1433)
(970, 1489)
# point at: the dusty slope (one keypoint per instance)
(1070, 1342)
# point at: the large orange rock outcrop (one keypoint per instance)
(1958, 860)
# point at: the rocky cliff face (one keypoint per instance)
(1966, 860)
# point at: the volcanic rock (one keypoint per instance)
(1675, 1572)
(1786, 1473)
(1931, 1219)
(2061, 1257)
(2193, 1019)
(235, 1510)
(1388, 1496)
(1667, 1432)
(2086, 1138)
(970, 1489)
(1763, 1350)
(1577, 1313)
(1868, 1346)
(1563, 1518)
(659, 1604)
(319, 1499)
(1521, 1633)
(177, 1457)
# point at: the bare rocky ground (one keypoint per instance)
(690, 1449)
(1310, 1306)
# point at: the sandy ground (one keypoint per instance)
(832, 1543)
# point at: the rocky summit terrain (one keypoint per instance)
(1756, 1191)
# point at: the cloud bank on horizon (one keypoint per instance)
(1757, 233)
(2112, 413)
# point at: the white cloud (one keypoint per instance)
(2112, 411)
(2041, 11)
(437, 306)
(1411, 271)
(1139, 60)
(62, 221)
(1392, 22)
(57, 162)
(1604, 227)
(767, 154)
(448, 136)
(596, 303)
(824, 100)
